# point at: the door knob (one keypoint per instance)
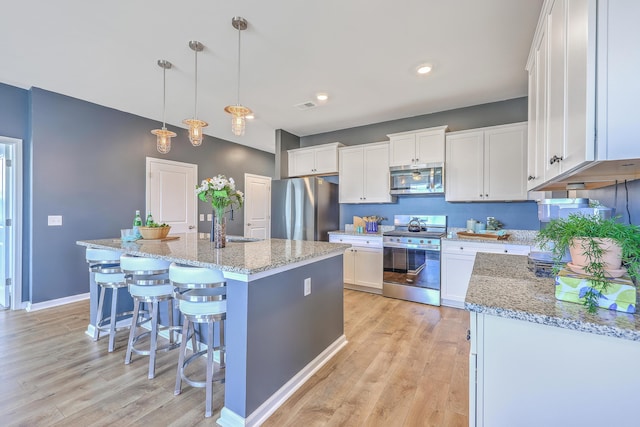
(248, 224)
(191, 227)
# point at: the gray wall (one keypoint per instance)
(284, 141)
(87, 163)
(514, 215)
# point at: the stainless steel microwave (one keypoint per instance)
(417, 179)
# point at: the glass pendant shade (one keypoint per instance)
(195, 130)
(163, 140)
(238, 114)
(195, 125)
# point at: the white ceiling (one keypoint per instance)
(363, 53)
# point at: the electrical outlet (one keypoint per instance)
(209, 217)
(55, 220)
(201, 217)
(307, 286)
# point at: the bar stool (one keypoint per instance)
(148, 281)
(202, 298)
(106, 266)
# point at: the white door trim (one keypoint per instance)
(14, 267)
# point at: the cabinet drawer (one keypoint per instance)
(362, 241)
(459, 246)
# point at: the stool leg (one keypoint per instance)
(209, 392)
(194, 343)
(183, 350)
(223, 349)
(132, 331)
(170, 310)
(112, 323)
(154, 339)
(96, 331)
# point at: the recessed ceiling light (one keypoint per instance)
(322, 96)
(423, 69)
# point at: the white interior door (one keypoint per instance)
(170, 194)
(257, 206)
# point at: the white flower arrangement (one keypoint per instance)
(221, 193)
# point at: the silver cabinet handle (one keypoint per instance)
(555, 159)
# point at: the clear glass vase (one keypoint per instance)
(219, 230)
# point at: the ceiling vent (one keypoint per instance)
(306, 105)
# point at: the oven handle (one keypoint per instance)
(434, 248)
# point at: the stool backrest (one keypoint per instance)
(103, 260)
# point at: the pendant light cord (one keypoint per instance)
(238, 77)
(164, 96)
(195, 109)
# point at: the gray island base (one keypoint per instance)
(537, 361)
(276, 337)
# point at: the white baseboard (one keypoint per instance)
(452, 303)
(228, 418)
(56, 302)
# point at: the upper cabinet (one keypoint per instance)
(364, 174)
(487, 164)
(316, 160)
(420, 146)
(582, 89)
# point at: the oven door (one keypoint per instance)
(412, 267)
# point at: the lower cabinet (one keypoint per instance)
(458, 257)
(362, 262)
(528, 374)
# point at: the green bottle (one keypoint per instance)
(137, 222)
(149, 220)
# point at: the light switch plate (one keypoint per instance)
(201, 217)
(54, 220)
(209, 217)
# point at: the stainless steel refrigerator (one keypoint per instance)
(304, 209)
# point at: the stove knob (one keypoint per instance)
(421, 241)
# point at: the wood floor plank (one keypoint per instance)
(405, 364)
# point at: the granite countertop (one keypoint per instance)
(502, 285)
(239, 257)
(355, 233)
(516, 237)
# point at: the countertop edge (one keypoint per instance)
(497, 295)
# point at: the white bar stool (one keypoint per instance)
(202, 297)
(106, 266)
(148, 281)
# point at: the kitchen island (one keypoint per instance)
(276, 337)
(536, 361)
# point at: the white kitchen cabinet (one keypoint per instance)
(528, 374)
(487, 164)
(580, 70)
(317, 160)
(364, 173)
(363, 262)
(458, 257)
(422, 146)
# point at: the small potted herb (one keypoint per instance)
(591, 240)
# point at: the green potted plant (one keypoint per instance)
(591, 240)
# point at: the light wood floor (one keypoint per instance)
(406, 364)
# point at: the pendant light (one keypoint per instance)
(238, 112)
(163, 142)
(195, 125)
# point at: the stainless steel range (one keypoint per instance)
(412, 258)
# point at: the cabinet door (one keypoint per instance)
(464, 167)
(349, 266)
(376, 174)
(556, 38)
(402, 150)
(456, 272)
(326, 160)
(505, 163)
(351, 175)
(301, 163)
(368, 267)
(430, 147)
